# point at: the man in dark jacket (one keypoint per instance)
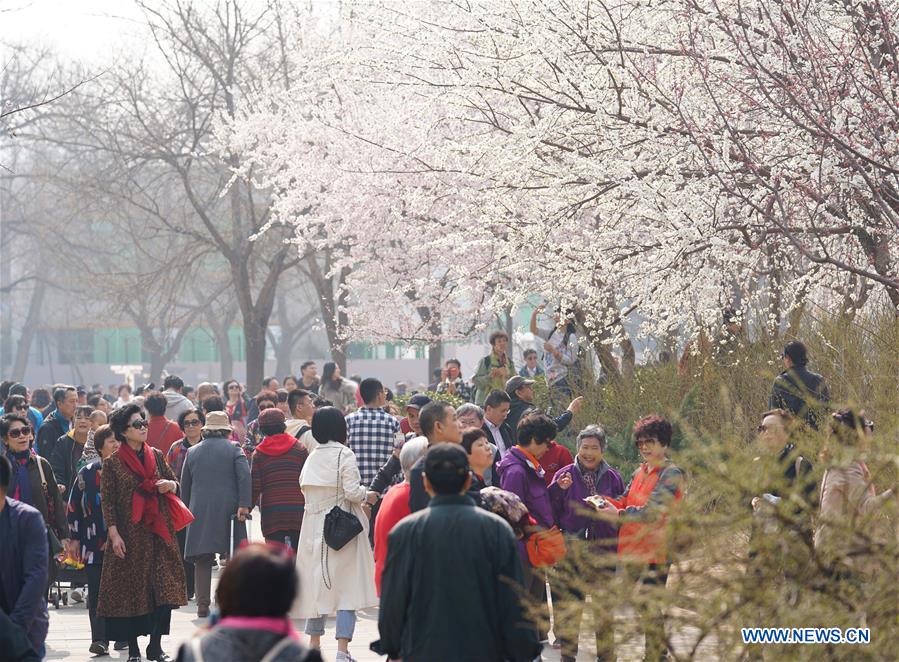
(440, 425)
(24, 559)
(420, 616)
(68, 449)
(797, 389)
(496, 411)
(57, 423)
(521, 392)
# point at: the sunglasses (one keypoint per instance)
(140, 424)
(24, 431)
(639, 443)
(234, 387)
(192, 423)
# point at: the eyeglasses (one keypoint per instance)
(140, 424)
(234, 387)
(192, 423)
(639, 443)
(24, 431)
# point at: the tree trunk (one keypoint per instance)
(607, 361)
(220, 328)
(29, 331)
(332, 298)
(628, 357)
(435, 359)
(157, 364)
(255, 342)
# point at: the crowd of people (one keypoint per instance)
(450, 518)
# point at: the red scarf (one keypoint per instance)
(276, 444)
(145, 502)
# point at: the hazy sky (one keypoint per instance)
(88, 30)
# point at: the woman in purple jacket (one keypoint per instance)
(589, 475)
(520, 473)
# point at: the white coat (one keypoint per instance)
(351, 570)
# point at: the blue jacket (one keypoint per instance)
(24, 560)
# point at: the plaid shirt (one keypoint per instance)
(371, 434)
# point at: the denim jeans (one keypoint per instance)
(346, 625)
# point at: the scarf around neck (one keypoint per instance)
(145, 502)
(19, 461)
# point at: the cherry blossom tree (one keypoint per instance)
(641, 162)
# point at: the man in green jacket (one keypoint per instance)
(451, 584)
(494, 369)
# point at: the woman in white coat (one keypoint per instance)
(333, 581)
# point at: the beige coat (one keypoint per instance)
(850, 514)
(351, 571)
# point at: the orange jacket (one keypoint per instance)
(644, 505)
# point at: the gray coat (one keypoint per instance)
(215, 481)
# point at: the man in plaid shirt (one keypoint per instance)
(371, 431)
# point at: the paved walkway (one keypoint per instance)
(69, 636)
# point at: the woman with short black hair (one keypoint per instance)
(254, 595)
(331, 580)
(143, 576)
(88, 530)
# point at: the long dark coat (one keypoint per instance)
(152, 573)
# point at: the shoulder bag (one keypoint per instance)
(52, 539)
(545, 548)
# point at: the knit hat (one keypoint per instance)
(271, 417)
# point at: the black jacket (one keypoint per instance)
(505, 432)
(449, 555)
(418, 496)
(801, 392)
(64, 463)
(516, 411)
(53, 428)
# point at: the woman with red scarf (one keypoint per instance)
(143, 576)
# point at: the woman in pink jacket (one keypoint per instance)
(850, 521)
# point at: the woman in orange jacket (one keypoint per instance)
(642, 513)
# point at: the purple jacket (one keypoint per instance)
(516, 475)
(573, 515)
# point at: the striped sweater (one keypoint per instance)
(276, 484)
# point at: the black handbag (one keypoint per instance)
(339, 529)
(340, 526)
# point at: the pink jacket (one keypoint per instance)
(849, 505)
